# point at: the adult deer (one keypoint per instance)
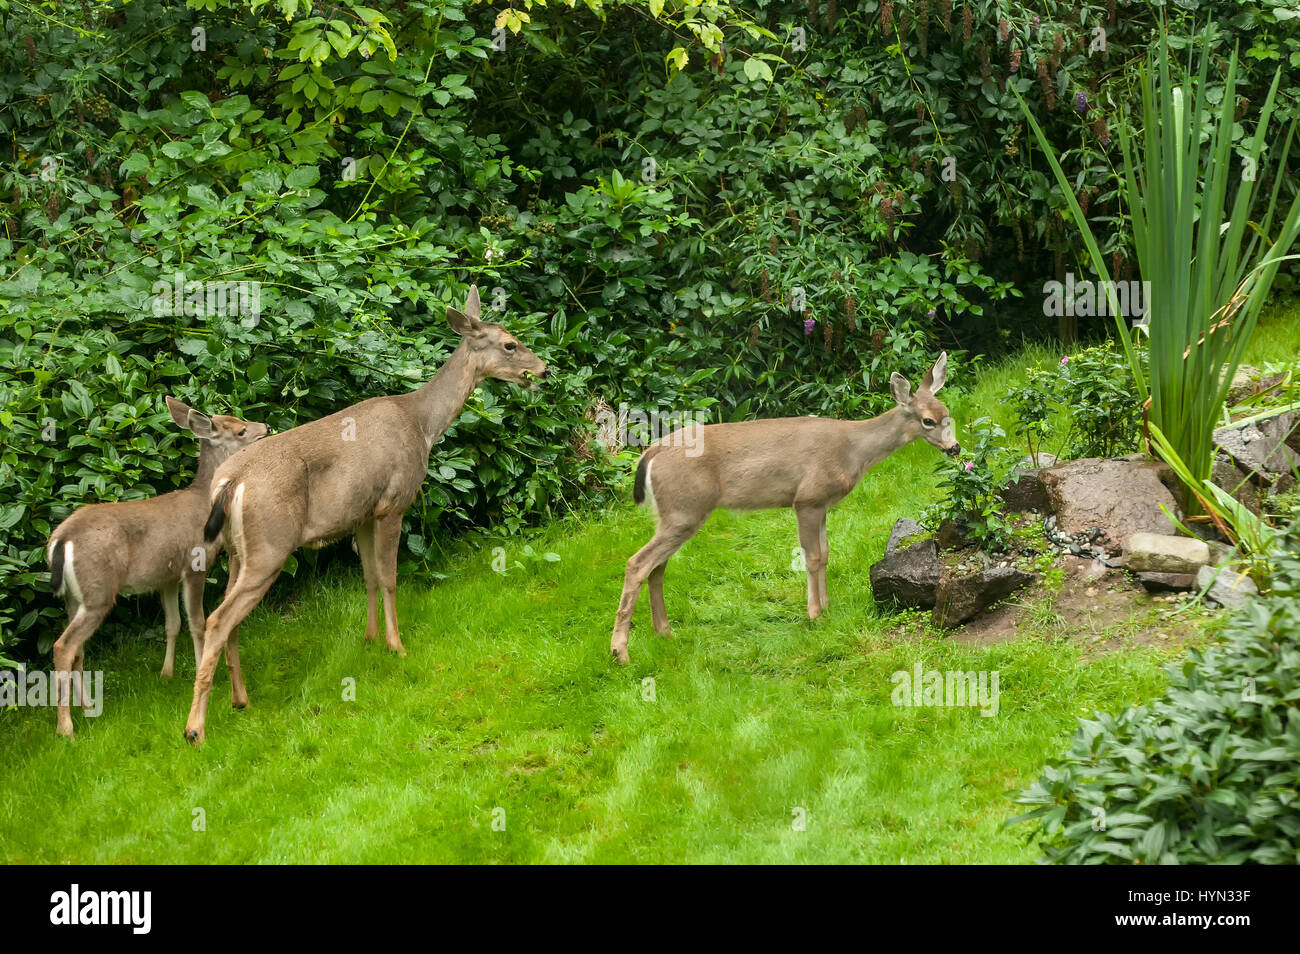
(353, 472)
(807, 463)
(140, 546)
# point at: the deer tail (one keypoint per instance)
(639, 485)
(56, 566)
(217, 516)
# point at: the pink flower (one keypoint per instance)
(1065, 360)
(970, 465)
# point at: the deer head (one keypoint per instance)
(925, 416)
(495, 352)
(223, 433)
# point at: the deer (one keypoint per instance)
(354, 472)
(140, 546)
(807, 463)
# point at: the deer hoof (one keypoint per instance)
(194, 737)
(620, 656)
(239, 705)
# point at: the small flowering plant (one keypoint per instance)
(973, 481)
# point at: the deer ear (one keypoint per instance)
(200, 425)
(180, 411)
(900, 387)
(460, 322)
(935, 377)
(473, 307)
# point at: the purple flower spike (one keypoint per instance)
(808, 325)
(1081, 102)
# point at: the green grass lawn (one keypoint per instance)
(707, 748)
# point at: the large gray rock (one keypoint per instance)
(1235, 481)
(908, 574)
(1121, 496)
(1261, 451)
(1249, 381)
(1228, 587)
(962, 595)
(1165, 553)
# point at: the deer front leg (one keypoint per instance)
(388, 531)
(192, 596)
(171, 626)
(366, 550)
(810, 539)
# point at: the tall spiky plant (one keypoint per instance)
(1208, 273)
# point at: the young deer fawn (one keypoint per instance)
(140, 546)
(807, 463)
(353, 472)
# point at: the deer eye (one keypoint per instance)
(928, 422)
(510, 346)
(242, 432)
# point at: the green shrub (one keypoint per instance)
(1088, 399)
(973, 503)
(1208, 774)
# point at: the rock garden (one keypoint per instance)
(1098, 528)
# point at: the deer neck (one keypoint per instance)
(879, 437)
(209, 460)
(439, 402)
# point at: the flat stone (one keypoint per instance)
(903, 530)
(1229, 587)
(1166, 582)
(1165, 553)
(962, 595)
(1122, 496)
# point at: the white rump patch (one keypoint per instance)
(71, 588)
(237, 528)
(649, 488)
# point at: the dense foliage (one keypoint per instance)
(1208, 774)
(773, 225)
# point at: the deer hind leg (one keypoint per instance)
(242, 595)
(171, 626)
(667, 540)
(388, 532)
(366, 550)
(69, 653)
(192, 595)
(657, 612)
(826, 560)
(810, 539)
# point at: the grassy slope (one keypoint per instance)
(507, 701)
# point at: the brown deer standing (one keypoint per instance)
(353, 472)
(807, 463)
(140, 546)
